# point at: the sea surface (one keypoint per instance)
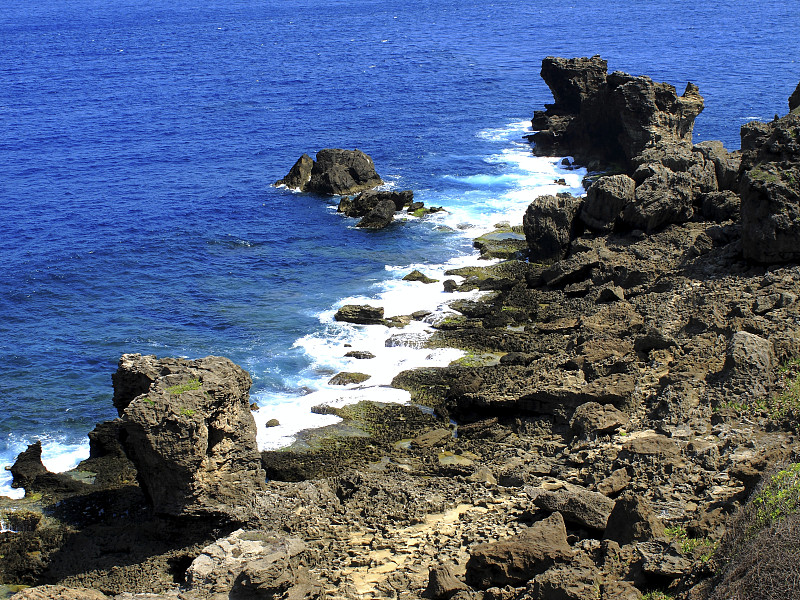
(140, 140)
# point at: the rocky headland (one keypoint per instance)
(623, 425)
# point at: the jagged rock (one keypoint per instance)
(617, 481)
(360, 314)
(794, 99)
(662, 198)
(419, 276)
(29, 473)
(770, 190)
(517, 559)
(442, 584)
(721, 206)
(605, 200)
(192, 436)
(134, 376)
(632, 520)
(246, 562)
(660, 559)
(549, 225)
(360, 354)
(748, 364)
(379, 217)
(365, 202)
(610, 118)
(592, 419)
(335, 171)
(59, 592)
(576, 504)
(566, 582)
(347, 378)
(726, 164)
(299, 175)
(619, 590)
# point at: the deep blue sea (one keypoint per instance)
(140, 139)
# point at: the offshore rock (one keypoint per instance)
(609, 118)
(363, 203)
(770, 190)
(380, 216)
(335, 172)
(550, 226)
(29, 473)
(299, 175)
(192, 436)
(360, 314)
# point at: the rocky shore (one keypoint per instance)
(623, 425)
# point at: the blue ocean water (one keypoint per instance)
(140, 140)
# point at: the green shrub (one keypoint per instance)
(193, 384)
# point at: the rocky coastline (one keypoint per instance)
(623, 425)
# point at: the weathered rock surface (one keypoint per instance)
(632, 520)
(335, 171)
(191, 435)
(246, 562)
(576, 504)
(550, 226)
(360, 314)
(770, 190)
(519, 558)
(379, 217)
(611, 118)
(605, 200)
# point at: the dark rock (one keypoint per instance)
(192, 437)
(360, 314)
(549, 225)
(605, 201)
(442, 584)
(379, 217)
(610, 118)
(360, 354)
(770, 190)
(566, 582)
(592, 419)
(104, 440)
(363, 203)
(663, 197)
(299, 174)
(29, 473)
(721, 206)
(632, 520)
(418, 276)
(576, 504)
(345, 378)
(794, 99)
(341, 172)
(726, 164)
(517, 559)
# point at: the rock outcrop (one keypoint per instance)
(610, 118)
(334, 172)
(770, 189)
(190, 434)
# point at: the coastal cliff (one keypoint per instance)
(624, 422)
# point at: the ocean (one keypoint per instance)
(140, 141)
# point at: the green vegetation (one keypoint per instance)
(657, 595)
(150, 401)
(778, 499)
(188, 412)
(758, 174)
(783, 405)
(176, 390)
(704, 546)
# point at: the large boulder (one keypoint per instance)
(633, 520)
(610, 118)
(247, 563)
(576, 504)
(360, 314)
(334, 172)
(517, 559)
(770, 189)
(663, 197)
(380, 216)
(605, 200)
(191, 435)
(550, 226)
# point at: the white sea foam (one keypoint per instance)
(514, 178)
